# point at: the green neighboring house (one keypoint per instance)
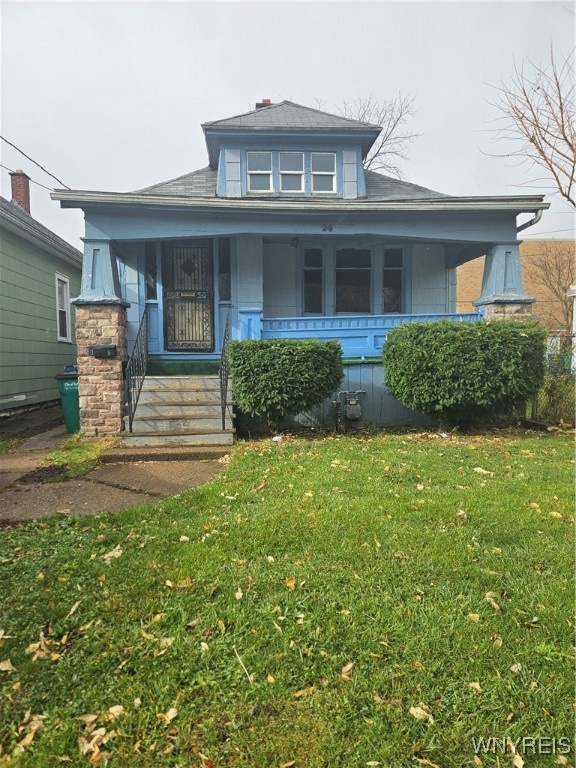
(39, 272)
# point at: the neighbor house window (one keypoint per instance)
(259, 166)
(353, 277)
(63, 308)
(392, 280)
(323, 166)
(291, 166)
(313, 283)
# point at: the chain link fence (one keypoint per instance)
(555, 401)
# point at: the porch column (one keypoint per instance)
(250, 286)
(502, 287)
(101, 342)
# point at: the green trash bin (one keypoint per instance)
(68, 386)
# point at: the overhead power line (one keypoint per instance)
(34, 161)
(32, 180)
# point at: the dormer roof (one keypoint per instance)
(286, 117)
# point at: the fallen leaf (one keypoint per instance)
(238, 594)
(290, 582)
(304, 692)
(168, 716)
(116, 711)
(481, 471)
(518, 762)
(290, 763)
(516, 668)
(476, 686)
(345, 670)
(425, 761)
(7, 666)
(270, 678)
(421, 712)
(72, 610)
(489, 597)
(109, 556)
(184, 538)
(373, 762)
(474, 616)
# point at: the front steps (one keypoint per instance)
(180, 411)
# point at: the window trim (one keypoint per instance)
(290, 173)
(269, 173)
(314, 174)
(65, 281)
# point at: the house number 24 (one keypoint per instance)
(327, 227)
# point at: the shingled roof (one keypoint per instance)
(288, 116)
(16, 218)
(202, 183)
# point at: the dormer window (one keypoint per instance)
(291, 165)
(323, 172)
(259, 166)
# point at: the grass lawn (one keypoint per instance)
(337, 602)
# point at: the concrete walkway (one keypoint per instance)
(125, 477)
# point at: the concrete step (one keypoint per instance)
(123, 453)
(181, 396)
(175, 383)
(179, 410)
(179, 439)
(177, 424)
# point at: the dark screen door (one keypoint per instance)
(188, 281)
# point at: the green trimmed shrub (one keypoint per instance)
(463, 372)
(278, 377)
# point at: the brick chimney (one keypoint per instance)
(263, 103)
(21, 189)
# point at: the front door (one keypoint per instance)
(188, 280)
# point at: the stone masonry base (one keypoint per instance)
(100, 380)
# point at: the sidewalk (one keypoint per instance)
(125, 478)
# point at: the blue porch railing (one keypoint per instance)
(359, 335)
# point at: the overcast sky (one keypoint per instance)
(111, 95)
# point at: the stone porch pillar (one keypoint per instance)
(102, 342)
(502, 287)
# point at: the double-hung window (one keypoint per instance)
(259, 167)
(392, 280)
(313, 281)
(323, 168)
(63, 328)
(353, 280)
(291, 167)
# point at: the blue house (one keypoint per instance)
(282, 235)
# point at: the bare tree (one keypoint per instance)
(553, 270)
(538, 109)
(392, 115)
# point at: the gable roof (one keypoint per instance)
(289, 116)
(15, 218)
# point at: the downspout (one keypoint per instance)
(527, 224)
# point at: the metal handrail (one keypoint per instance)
(136, 368)
(224, 369)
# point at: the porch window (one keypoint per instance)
(353, 278)
(291, 166)
(313, 282)
(259, 166)
(323, 166)
(392, 280)
(63, 328)
(151, 272)
(224, 281)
